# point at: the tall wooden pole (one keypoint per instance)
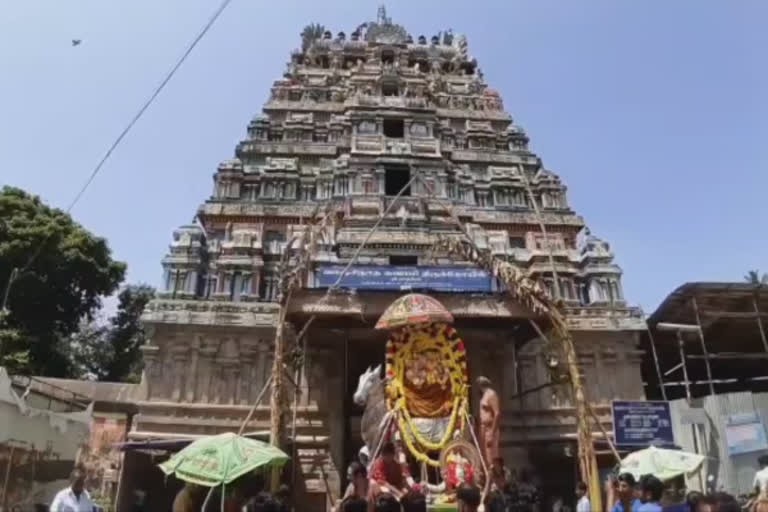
(656, 362)
(275, 401)
(760, 323)
(703, 346)
(543, 229)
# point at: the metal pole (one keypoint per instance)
(689, 399)
(685, 367)
(760, 323)
(703, 347)
(656, 362)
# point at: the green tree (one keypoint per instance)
(112, 352)
(754, 277)
(63, 273)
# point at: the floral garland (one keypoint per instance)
(436, 337)
(419, 455)
(458, 405)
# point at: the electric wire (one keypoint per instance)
(15, 273)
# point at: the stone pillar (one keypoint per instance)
(207, 354)
(247, 370)
(179, 358)
(192, 370)
(263, 367)
(150, 353)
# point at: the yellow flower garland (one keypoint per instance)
(453, 357)
(458, 404)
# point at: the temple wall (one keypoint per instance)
(216, 366)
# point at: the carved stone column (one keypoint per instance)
(179, 358)
(228, 360)
(263, 364)
(150, 355)
(192, 370)
(248, 357)
(207, 354)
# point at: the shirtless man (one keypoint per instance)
(488, 428)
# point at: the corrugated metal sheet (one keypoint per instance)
(732, 473)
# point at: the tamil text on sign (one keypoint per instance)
(642, 423)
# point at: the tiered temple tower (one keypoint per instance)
(351, 121)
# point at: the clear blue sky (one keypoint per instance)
(654, 113)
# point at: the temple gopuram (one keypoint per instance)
(351, 122)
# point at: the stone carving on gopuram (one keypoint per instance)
(349, 124)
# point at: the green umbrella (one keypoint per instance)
(218, 460)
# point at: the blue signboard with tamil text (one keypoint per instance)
(642, 423)
(381, 277)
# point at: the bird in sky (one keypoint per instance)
(76, 42)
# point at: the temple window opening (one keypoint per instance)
(389, 89)
(273, 241)
(395, 178)
(516, 242)
(394, 128)
(404, 260)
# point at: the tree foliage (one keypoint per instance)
(112, 352)
(63, 284)
(754, 277)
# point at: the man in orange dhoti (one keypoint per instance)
(488, 424)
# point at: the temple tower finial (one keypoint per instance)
(381, 16)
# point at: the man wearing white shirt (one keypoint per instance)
(581, 492)
(760, 482)
(74, 498)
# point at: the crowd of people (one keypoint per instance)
(390, 488)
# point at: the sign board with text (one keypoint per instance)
(642, 423)
(745, 433)
(391, 278)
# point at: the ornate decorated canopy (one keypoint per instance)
(413, 309)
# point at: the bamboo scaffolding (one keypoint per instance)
(529, 292)
(758, 316)
(703, 346)
(656, 361)
(526, 289)
(290, 280)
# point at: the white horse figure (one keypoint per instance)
(370, 396)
